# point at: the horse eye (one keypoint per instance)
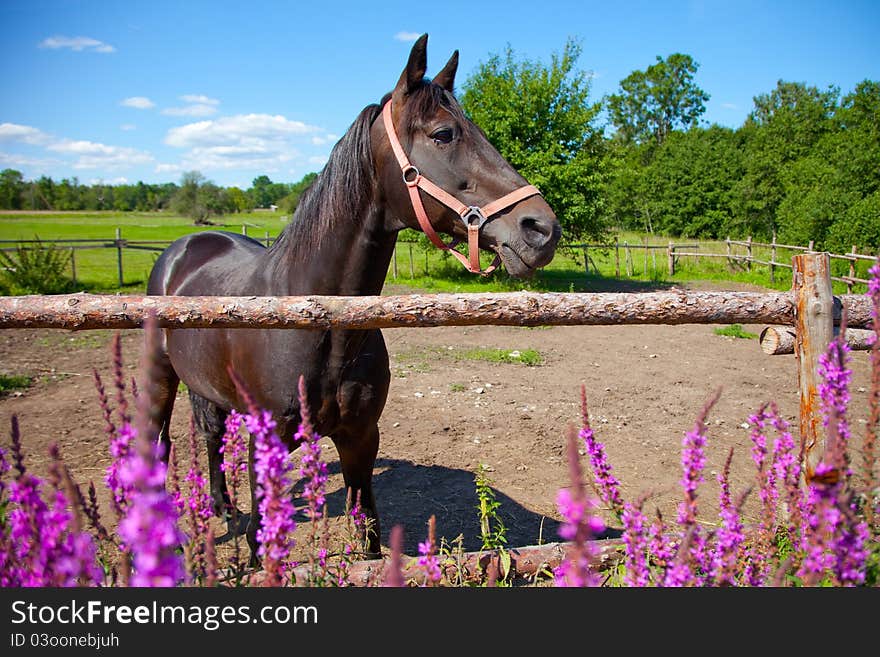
(442, 136)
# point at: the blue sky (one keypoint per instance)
(128, 90)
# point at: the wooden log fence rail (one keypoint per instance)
(93, 311)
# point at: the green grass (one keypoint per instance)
(425, 269)
(528, 357)
(96, 269)
(418, 360)
(13, 382)
(735, 331)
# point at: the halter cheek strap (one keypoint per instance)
(473, 216)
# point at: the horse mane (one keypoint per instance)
(341, 191)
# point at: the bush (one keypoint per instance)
(36, 269)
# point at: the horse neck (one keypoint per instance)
(350, 261)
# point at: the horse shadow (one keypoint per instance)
(408, 494)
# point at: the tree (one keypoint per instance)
(652, 103)
(288, 203)
(686, 189)
(540, 119)
(784, 127)
(238, 200)
(191, 200)
(830, 192)
(11, 189)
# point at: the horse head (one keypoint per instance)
(432, 160)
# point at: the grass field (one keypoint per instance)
(417, 266)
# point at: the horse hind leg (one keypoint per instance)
(210, 421)
(166, 382)
(357, 456)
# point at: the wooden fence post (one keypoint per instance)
(586, 261)
(119, 254)
(394, 262)
(244, 229)
(670, 256)
(627, 258)
(616, 258)
(73, 265)
(412, 267)
(749, 253)
(814, 329)
(729, 261)
(852, 272)
(773, 259)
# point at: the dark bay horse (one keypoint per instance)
(340, 242)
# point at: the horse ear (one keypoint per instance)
(414, 72)
(446, 77)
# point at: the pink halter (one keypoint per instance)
(473, 217)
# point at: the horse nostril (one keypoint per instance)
(537, 232)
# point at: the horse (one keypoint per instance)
(412, 161)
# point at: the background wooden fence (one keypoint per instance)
(741, 252)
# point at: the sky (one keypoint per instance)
(122, 91)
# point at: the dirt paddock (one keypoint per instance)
(447, 414)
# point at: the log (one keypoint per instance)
(777, 340)
(89, 311)
(524, 561)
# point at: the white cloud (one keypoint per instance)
(94, 155)
(77, 44)
(198, 99)
(22, 133)
(261, 142)
(128, 126)
(138, 102)
(168, 168)
(239, 129)
(407, 36)
(196, 111)
(14, 160)
(729, 106)
(318, 160)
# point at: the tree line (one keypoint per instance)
(804, 165)
(194, 196)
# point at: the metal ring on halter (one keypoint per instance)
(474, 213)
(416, 175)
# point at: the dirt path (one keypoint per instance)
(446, 414)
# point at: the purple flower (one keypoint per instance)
(428, 557)
(313, 470)
(729, 537)
(578, 526)
(635, 541)
(428, 561)
(834, 398)
(272, 468)
(148, 527)
(41, 548)
(120, 451)
(606, 483)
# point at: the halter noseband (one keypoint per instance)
(473, 216)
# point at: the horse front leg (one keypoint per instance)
(357, 456)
